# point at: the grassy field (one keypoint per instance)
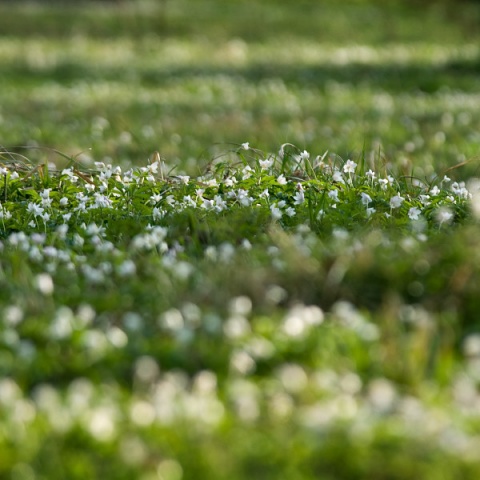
(239, 240)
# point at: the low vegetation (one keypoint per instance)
(303, 305)
(282, 314)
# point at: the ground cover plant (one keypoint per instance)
(178, 327)
(243, 246)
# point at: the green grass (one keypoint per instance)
(301, 306)
(361, 76)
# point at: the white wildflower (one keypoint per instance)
(414, 213)
(281, 179)
(396, 201)
(349, 166)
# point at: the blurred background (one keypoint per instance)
(117, 80)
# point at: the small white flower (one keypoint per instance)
(281, 179)
(265, 164)
(189, 201)
(184, 179)
(338, 177)
(44, 283)
(349, 166)
(246, 146)
(127, 268)
(276, 212)
(444, 215)
(370, 174)
(333, 194)
(300, 195)
(413, 213)
(247, 172)
(45, 193)
(157, 213)
(220, 203)
(396, 201)
(370, 212)
(366, 198)
(435, 191)
(304, 155)
(425, 200)
(37, 210)
(290, 211)
(265, 194)
(383, 183)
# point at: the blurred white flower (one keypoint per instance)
(396, 201)
(349, 166)
(414, 213)
(444, 215)
(281, 179)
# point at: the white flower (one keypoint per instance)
(435, 191)
(157, 213)
(425, 200)
(413, 213)
(338, 177)
(333, 194)
(383, 183)
(370, 212)
(370, 174)
(444, 215)
(396, 201)
(349, 166)
(276, 212)
(247, 172)
(290, 211)
(127, 268)
(220, 203)
(189, 201)
(281, 179)
(304, 155)
(230, 181)
(265, 194)
(265, 164)
(45, 193)
(184, 179)
(37, 210)
(246, 146)
(300, 195)
(366, 198)
(243, 198)
(44, 283)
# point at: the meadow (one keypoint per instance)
(239, 240)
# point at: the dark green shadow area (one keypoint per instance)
(395, 78)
